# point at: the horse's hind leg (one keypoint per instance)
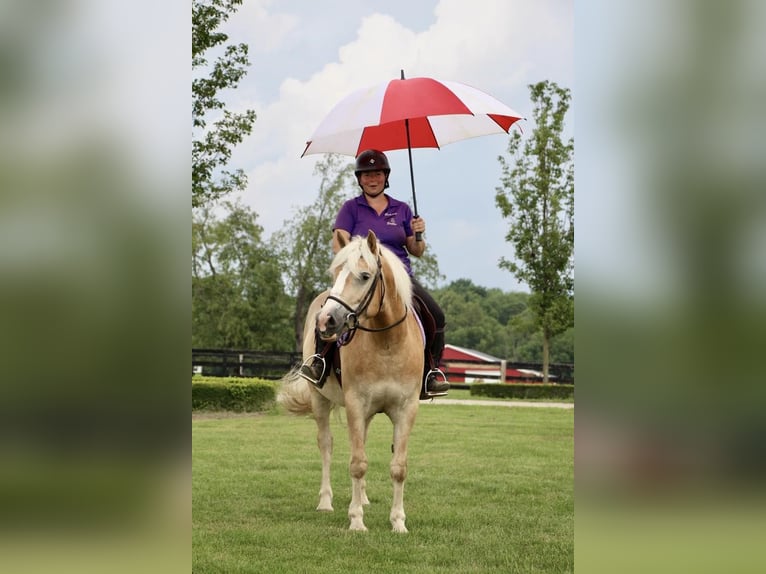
(321, 408)
(403, 423)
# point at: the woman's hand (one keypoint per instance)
(418, 224)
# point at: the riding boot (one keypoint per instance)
(314, 369)
(436, 381)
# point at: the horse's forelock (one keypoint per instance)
(358, 250)
(351, 255)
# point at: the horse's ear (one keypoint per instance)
(341, 239)
(372, 241)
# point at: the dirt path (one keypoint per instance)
(201, 415)
(546, 405)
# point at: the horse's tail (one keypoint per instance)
(295, 394)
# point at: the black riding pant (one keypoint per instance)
(437, 346)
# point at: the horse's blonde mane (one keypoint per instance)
(357, 251)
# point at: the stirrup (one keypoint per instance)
(306, 370)
(425, 393)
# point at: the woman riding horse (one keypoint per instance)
(397, 229)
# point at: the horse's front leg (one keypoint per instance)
(357, 431)
(403, 422)
(321, 408)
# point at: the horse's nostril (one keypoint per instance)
(331, 321)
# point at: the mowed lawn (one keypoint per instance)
(490, 489)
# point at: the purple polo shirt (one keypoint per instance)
(392, 226)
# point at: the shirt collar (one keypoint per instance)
(360, 199)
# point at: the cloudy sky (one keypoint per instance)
(306, 56)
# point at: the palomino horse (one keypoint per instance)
(370, 308)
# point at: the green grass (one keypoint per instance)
(489, 490)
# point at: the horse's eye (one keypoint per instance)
(365, 276)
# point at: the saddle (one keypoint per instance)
(332, 358)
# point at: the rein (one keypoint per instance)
(352, 319)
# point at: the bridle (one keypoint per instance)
(351, 321)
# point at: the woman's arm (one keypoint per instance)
(416, 248)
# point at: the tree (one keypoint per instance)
(238, 299)
(537, 196)
(304, 245)
(474, 316)
(426, 269)
(212, 146)
(497, 323)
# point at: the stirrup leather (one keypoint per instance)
(306, 370)
(430, 394)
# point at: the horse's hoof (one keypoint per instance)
(399, 527)
(358, 527)
(325, 508)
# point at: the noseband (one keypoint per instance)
(351, 321)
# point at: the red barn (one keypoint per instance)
(463, 365)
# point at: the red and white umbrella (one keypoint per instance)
(409, 113)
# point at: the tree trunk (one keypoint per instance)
(300, 317)
(546, 351)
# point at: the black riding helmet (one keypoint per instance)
(371, 160)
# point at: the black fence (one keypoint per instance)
(239, 363)
(274, 364)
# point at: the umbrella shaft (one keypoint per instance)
(418, 234)
(412, 175)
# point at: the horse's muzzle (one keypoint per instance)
(331, 321)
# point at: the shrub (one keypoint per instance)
(232, 394)
(523, 391)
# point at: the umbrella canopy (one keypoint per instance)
(406, 114)
(411, 113)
